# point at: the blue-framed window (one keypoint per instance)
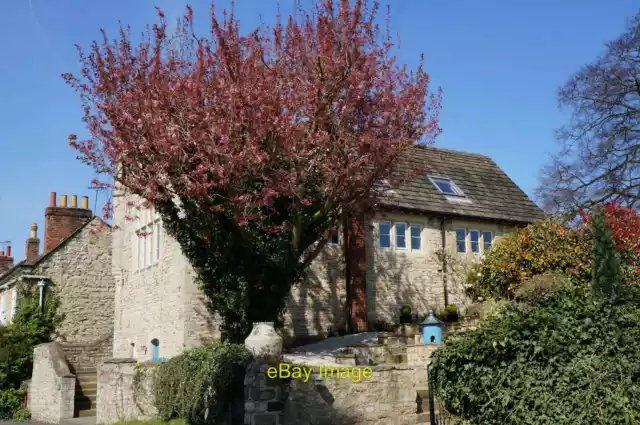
(401, 235)
(446, 186)
(416, 240)
(474, 239)
(334, 238)
(461, 240)
(487, 239)
(384, 229)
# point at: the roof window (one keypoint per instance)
(446, 186)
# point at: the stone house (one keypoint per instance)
(458, 207)
(75, 264)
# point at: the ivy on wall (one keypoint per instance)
(31, 325)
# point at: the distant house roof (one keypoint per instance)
(460, 184)
(25, 265)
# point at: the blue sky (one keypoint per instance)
(498, 61)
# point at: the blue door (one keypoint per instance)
(155, 350)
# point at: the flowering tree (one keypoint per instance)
(252, 147)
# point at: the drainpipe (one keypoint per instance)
(41, 286)
(443, 234)
(347, 271)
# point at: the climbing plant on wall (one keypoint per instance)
(31, 325)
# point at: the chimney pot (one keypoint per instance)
(9, 251)
(59, 223)
(74, 201)
(52, 199)
(84, 203)
(32, 251)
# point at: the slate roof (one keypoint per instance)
(489, 192)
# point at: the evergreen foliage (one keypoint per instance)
(606, 267)
(30, 326)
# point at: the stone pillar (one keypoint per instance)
(264, 395)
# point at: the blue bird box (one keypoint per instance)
(431, 330)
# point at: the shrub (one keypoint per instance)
(10, 402)
(30, 326)
(624, 224)
(405, 314)
(544, 246)
(606, 267)
(197, 380)
(543, 286)
(21, 415)
(565, 359)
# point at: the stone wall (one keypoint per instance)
(160, 301)
(420, 354)
(397, 277)
(80, 274)
(317, 305)
(89, 355)
(52, 386)
(119, 397)
(389, 397)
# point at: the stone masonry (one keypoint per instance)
(80, 275)
(52, 388)
(162, 301)
(406, 277)
(77, 269)
(159, 300)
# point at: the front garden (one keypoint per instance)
(562, 347)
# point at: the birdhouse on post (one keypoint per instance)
(431, 330)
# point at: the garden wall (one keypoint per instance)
(389, 397)
(124, 394)
(52, 386)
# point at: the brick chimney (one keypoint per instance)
(32, 250)
(6, 260)
(61, 221)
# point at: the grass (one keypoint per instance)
(153, 422)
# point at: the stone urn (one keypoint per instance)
(264, 342)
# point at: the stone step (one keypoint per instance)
(423, 418)
(85, 369)
(86, 413)
(84, 386)
(84, 396)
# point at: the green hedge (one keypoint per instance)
(197, 380)
(565, 359)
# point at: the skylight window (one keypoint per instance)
(446, 186)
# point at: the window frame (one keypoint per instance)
(484, 243)
(395, 235)
(418, 236)
(464, 239)
(479, 233)
(332, 233)
(456, 190)
(390, 235)
(149, 246)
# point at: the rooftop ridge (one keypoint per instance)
(437, 148)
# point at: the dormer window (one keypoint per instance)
(446, 186)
